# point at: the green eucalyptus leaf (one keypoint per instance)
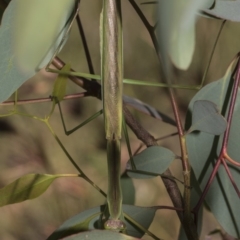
(90, 220)
(27, 187)
(148, 109)
(100, 235)
(177, 31)
(142, 215)
(208, 4)
(206, 118)
(228, 10)
(29, 39)
(128, 190)
(154, 160)
(204, 148)
(59, 88)
(79, 223)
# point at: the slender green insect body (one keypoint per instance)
(112, 72)
(112, 81)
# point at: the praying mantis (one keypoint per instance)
(112, 76)
(112, 80)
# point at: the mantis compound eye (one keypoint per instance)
(117, 225)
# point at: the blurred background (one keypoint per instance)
(27, 146)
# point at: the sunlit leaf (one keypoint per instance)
(59, 88)
(90, 219)
(100, 235)
(206, 118)
(154, 159)
(30, 33)
(204, 148)
(27, 187)
(177, 31)
(228, 10)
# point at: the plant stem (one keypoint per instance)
(212, 53)
(149, 140)
(188, 223)
(186, 219)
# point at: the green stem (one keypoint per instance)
(188, 223)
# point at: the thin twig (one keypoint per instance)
(85, 45)
(186, 218)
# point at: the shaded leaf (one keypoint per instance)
(28, 40)
(228, 10)
(128, 190)
(153, 159)
(100, 235)
(177, 31)
(59, 88)
(82, 222)
(27, 187)
(147, 109)
(204, 148)
(206, 118)
(91, 219)
(143, 215)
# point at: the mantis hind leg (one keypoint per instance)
(68, 132)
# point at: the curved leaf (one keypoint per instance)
(177, 30)
(208, 4)
(100, 235)
(154, 160)
(82, 222)
(27, 187)
(228, 10)
(29, 39)
(90, 220)
(204, 148)
(206, 118)
(142, 215)
(147, 109)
